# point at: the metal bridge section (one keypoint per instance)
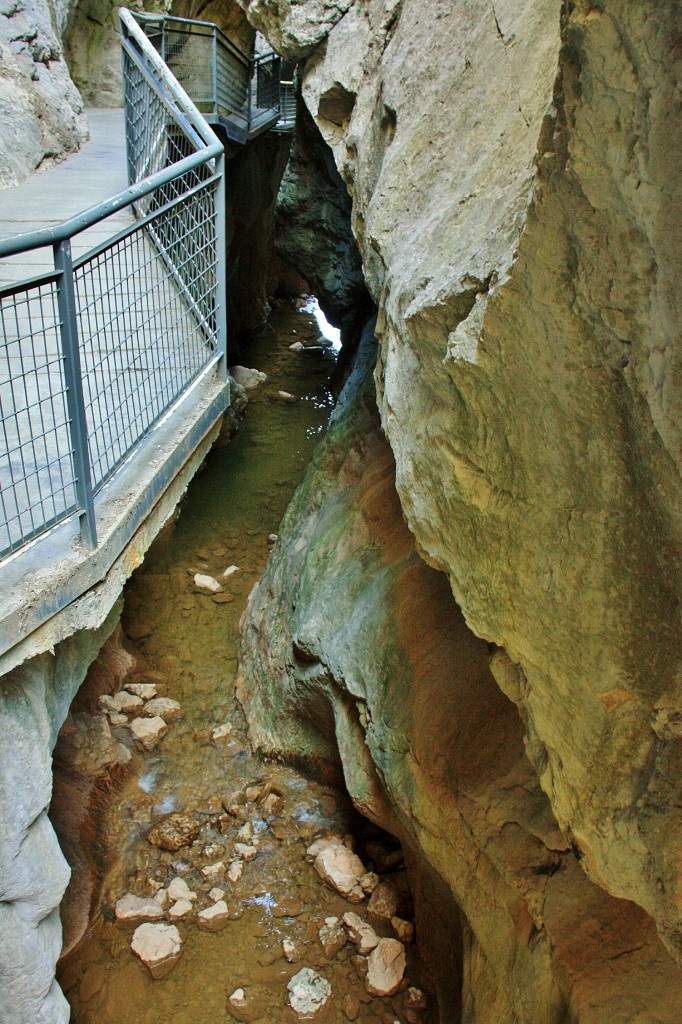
(114, 350)
(244, 96)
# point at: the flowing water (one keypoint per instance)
(187, 642)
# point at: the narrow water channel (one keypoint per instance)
(186, 643)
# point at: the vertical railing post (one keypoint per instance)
(78, 430)
(214, 69)
(252, 66)
(221, 267)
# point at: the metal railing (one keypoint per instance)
(95, 352)
(245, 96)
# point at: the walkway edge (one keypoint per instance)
(46, 595)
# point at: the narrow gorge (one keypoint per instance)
(378, 716)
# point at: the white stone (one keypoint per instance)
(180, 909)
(230, 571)
(148, 731)
(117, 719)
(179, 890)
(248, 377)
(214, 872)
(216, 894)
(204, 582)
(308, 992)
(212, 919)
(245, 833)
(162, 898)
(332, 937)
(158, 946)
(120, 702)
(385, 968)
(165, 707)
(361, 933)
(144, 690)
(138, 908)
(285, 396)
(297, 346)
(221, 732)
(235, 870)
(342, 870)
(238, 997)
(245, 852)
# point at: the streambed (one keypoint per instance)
(186, 642)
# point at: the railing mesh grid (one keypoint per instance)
(141, 318)
(37, 485)
(146, 325)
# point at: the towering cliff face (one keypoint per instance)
(40, 110)
(515, 176)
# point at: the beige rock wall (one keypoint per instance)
(353, 648)
(41, 113)
(515, 175)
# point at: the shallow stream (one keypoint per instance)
(187, 643)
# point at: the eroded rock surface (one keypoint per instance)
(376, 666)
(515, 178)
(41, 111)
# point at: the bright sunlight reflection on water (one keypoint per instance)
(332, 334)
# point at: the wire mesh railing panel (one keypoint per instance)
(232, 85)
(37, 481)
(266, 92)
(189, 55)
(147, 325)
(155, 140)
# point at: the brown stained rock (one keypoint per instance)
(214, 918)
(158, 946)
(360, 933)
(383, 903)
(341, 870)
(404, 930)
(386, 968)
(137, 908)
(351, 1006)
(173, 832)
(332, 937)
(164, 707)
(148, 731)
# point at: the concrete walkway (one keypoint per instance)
(95, 173)
(139, 342)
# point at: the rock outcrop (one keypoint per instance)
(41, 111)
(356, 659)
(515, 177)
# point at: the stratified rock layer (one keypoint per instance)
(354, 648)
(515, 175)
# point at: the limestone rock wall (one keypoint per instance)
(41, 112)
(515, 176)
(34, 702)
(312, 229)
(354, 651)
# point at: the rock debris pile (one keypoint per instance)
(212, 868)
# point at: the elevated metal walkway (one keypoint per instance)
(112, 324)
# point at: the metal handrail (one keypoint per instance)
(226, 83)
(95, 352)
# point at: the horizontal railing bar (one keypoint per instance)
(166, 97)
(49, 277)
(73, 226)
(130, 229)
(167, 78)
(222, 38)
